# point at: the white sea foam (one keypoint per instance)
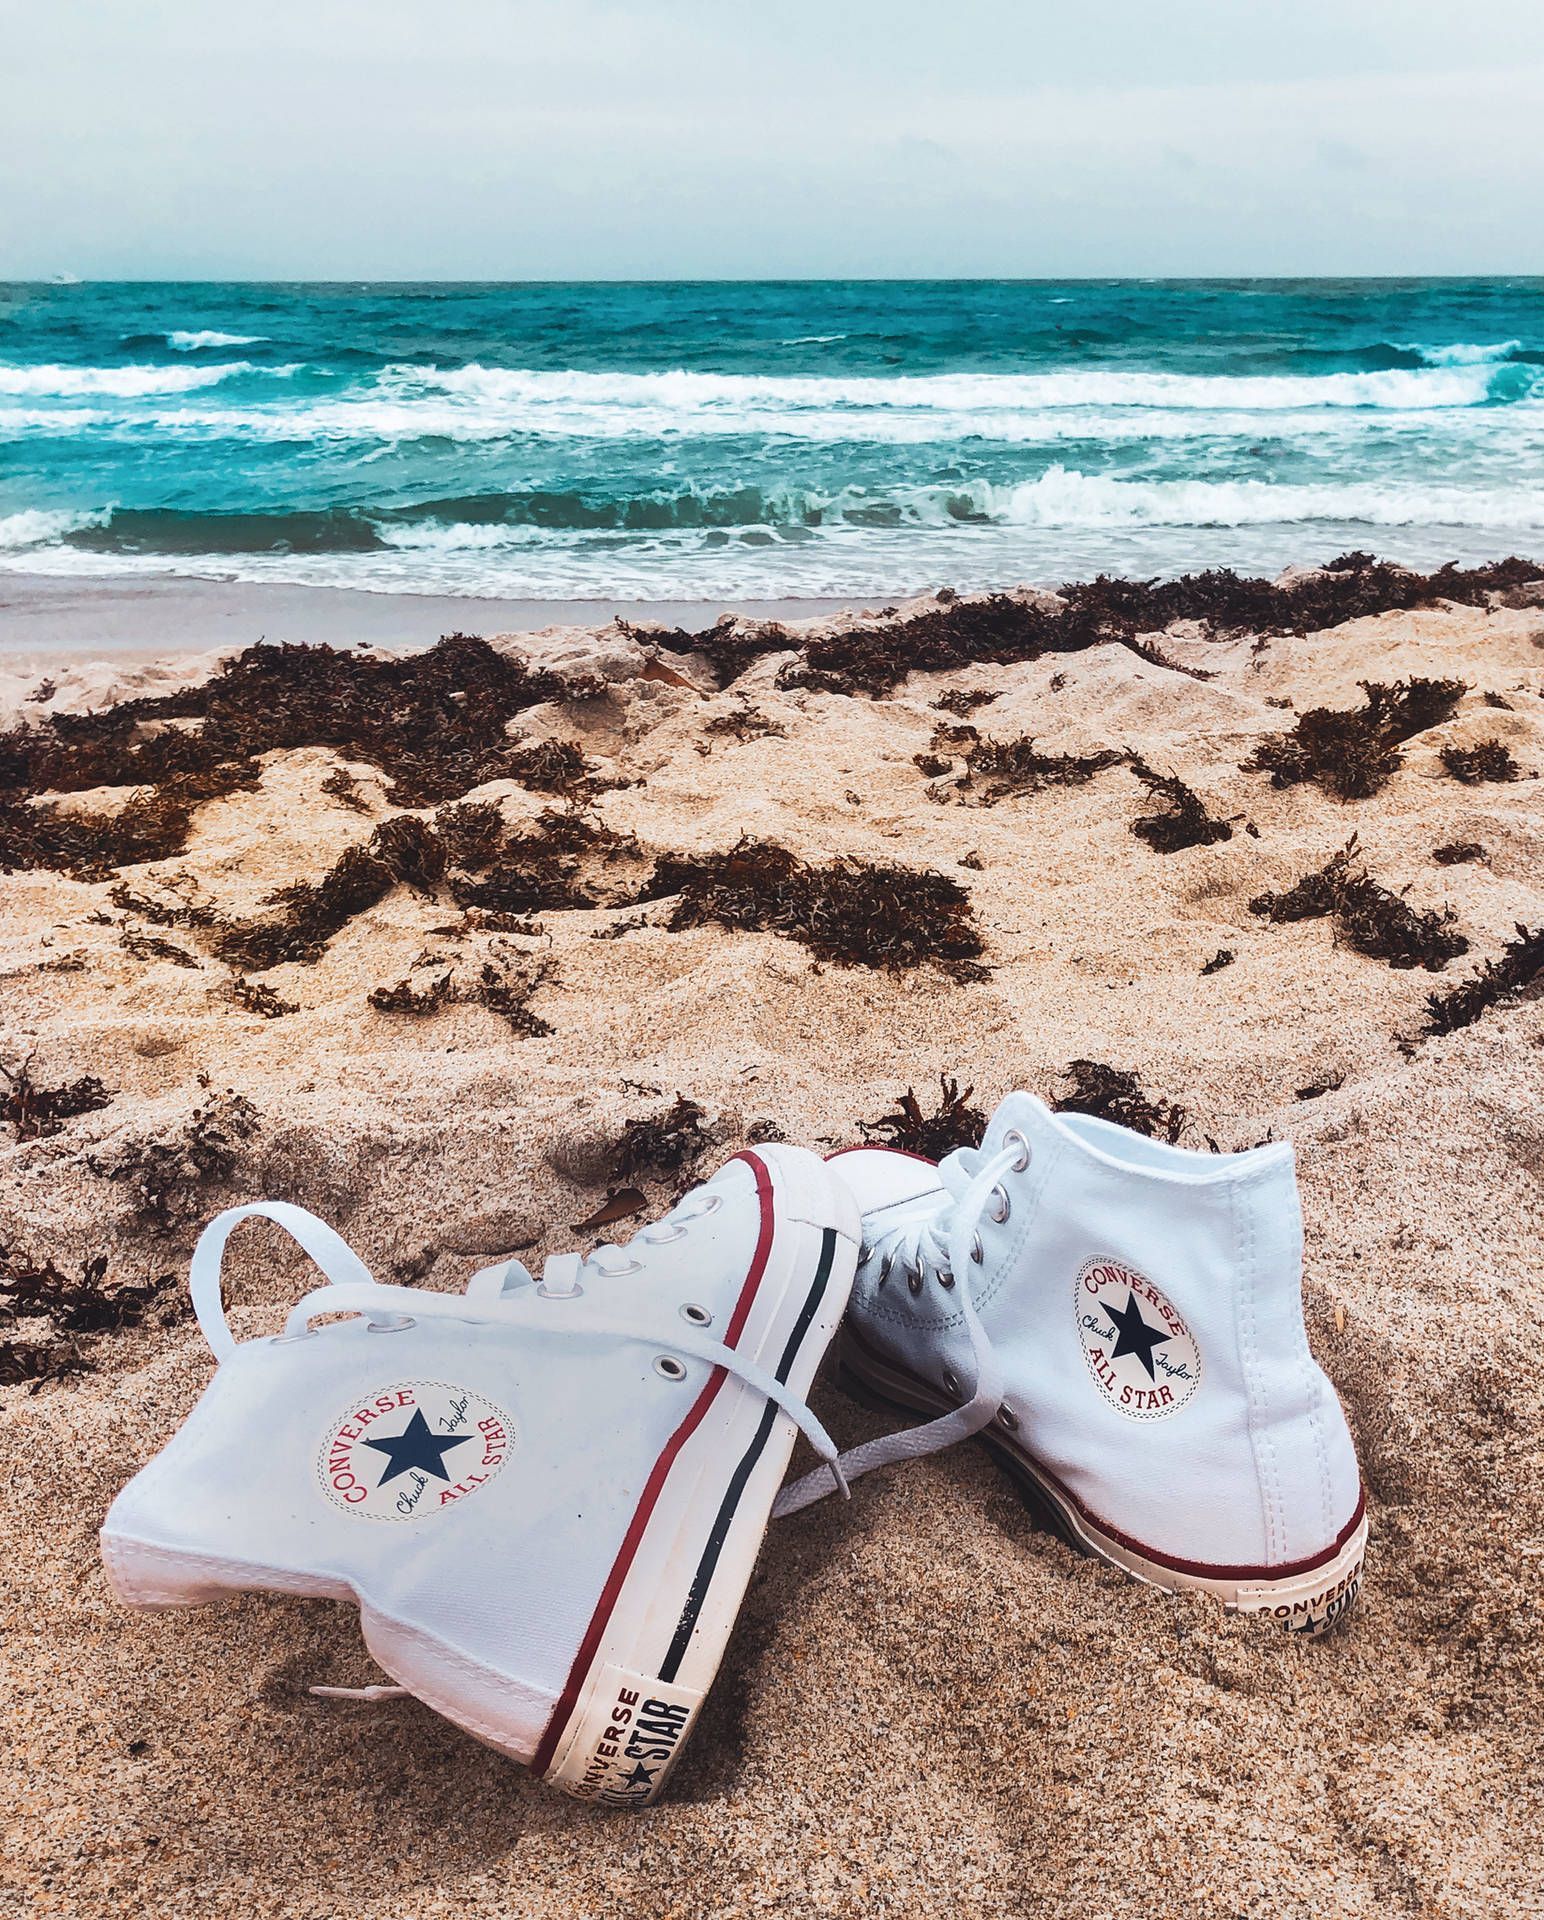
(210, 337)
(1466, 354)
(121, 383)
(36, 527)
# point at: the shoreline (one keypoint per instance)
(42, 615)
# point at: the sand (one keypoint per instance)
(927, 1706)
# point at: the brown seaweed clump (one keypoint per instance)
(1353, 752)
(1486, 760)
(166, 1178)
(857, 913)
(1001, 629)
(744, 723)
(1223, 957)
(668, 1142)
(1516, 974)
(1111, 1093)
(1003, 769)
(1181, 819)
(1366, 916)
(36, 1112)
(72, 1307)
(955, 1123)
(1456, 853)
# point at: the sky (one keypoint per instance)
(591, 139)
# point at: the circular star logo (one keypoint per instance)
(1142, 1356)
(413, 1449)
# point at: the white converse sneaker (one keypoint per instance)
(546, 1498)
(1122, 1322)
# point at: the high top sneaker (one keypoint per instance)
(1122, 1322)
(545, 1497)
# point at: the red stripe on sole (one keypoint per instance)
(600, 1619)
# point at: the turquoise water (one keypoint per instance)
(721, 441)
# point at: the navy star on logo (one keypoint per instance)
(639, 1777)
(417, 1448)
(1133, 1334)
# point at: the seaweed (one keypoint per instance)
(1150, 651)
(152, 824)
(556, 766)
(404, 997)
(1111, 1093)
(1182, 819)
(1457, 852)
(962, 702)
(1002, 769)
(258, 997)
(667, 1142)
(1223, 957)
(745, 723)
(1366, 916)
(856, 913)
(511, 998)
(165, 1177)
(1353, 752)
(1331, 1083)
(1001, 629)
(342, 786)
(74, 1306)
(163, 913)
(956, 1123)
(150, 946)
(36, 1112)
(1486, 760)
(1515, 974)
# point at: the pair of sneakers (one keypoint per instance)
(546, 1495)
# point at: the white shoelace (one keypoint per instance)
(941, 1241)
(504, 1295)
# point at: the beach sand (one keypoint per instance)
(927, 1706)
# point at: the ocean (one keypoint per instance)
(728, 441)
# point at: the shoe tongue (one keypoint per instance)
(1018, 1113)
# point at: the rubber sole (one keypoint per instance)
(1305, 1599)
(654, 1647)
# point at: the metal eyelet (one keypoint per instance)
(977, 1251)
(1001, 1206)
(292, 1339)
(711, 1204)
(884, 1269)
(618, 1273)
(391, 1323)
(697, 1316)
(559, 1293)
(1006, 1417)
(945, 1279)
(668, 1367)
(951, 1382)
(1026, 1153)
(914, 1279)
(664, 1239)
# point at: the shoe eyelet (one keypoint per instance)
(914, 1279)
(663, 1238)
(711, 1202)
(668, 1367)
(292, 1339)
(559, 1293)
(951, 1382)
(1001, 1206)
(884, 1269)
(977, 1250)
(1006, 1417)
(621, 1272)
(1026, 1153)
(945, 1279)
(696, 1316)
(391, 1323)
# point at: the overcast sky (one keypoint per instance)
(496, 139)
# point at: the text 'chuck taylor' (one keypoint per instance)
(1122, 1322)
(545, 1497)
